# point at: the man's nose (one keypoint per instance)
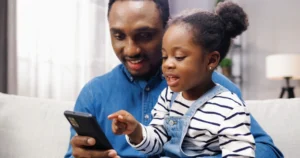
(132, 49)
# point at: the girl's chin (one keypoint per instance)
(175, 89)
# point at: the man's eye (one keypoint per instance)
(119, 36)
(145, 36)
(179, 58)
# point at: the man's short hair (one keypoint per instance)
(162, 6)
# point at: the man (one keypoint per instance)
(136, 29)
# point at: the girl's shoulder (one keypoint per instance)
(229, 99)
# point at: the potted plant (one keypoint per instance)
(226, 65)
(218, 1)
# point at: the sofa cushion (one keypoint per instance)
(31, 127)
(279, 118)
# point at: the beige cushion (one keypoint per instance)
(33, 128)
(279, 118)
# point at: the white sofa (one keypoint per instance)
(36, 128)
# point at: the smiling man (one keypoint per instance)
(137, 29)
(136, 34)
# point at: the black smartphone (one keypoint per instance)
(85, 124)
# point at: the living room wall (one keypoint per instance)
(178, 5)
(274, 28)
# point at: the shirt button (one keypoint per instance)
(146, 116)
(147, 89)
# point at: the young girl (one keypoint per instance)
(194, 117)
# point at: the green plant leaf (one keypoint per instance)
(218, 1)
(226, 62)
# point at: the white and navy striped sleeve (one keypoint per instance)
(235, 138)
(155, 135)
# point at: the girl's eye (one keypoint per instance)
(179, 58)
(164, 58)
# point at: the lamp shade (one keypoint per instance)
(279, 66)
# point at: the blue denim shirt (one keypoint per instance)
(118, 90)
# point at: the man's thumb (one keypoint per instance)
(111, 153)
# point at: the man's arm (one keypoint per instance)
(264, 144)
(225, 82)
(84, 103)
(84, 99)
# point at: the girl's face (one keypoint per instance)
(185, 65)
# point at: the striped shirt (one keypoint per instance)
(221, 125)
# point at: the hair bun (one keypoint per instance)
(234, 17)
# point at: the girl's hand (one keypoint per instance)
(123, 122)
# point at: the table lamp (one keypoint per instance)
(284, 66)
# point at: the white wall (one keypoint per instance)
(178, 5)
(274, 28)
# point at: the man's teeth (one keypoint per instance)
(135, 61)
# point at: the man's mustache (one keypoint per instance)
(135, 57)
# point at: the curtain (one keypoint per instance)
(61, 45)
(3, 46)
(12, 50)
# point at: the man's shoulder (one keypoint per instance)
(225, 82)
(110, 77)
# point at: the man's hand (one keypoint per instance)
(124, 123)
(79, 142)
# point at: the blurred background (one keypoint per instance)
(51, 48)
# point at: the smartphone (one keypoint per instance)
(86, 125)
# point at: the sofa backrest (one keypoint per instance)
(31, 127)
(279, 118)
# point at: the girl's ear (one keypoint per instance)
(213, 60)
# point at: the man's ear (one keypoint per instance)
(213, 60)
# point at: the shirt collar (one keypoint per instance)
(131, 78)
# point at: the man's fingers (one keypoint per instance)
(83, 141)
(79, 152)
(113, 154)
(103, 154)
(83, 153)
(78, 143)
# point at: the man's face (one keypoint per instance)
(136, 33)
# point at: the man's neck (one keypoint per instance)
(148, 76)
